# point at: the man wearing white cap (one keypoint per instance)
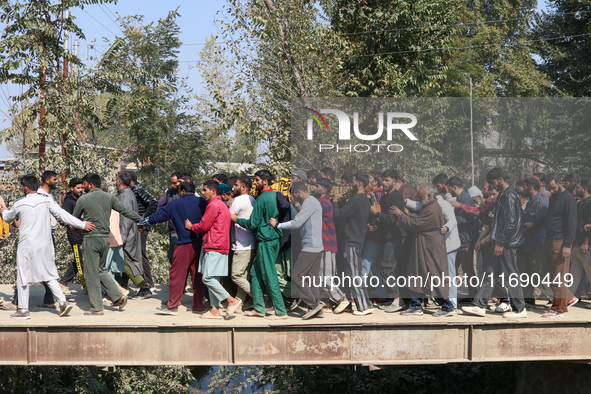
(476, 195)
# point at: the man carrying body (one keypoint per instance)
(427, 256)
(215, 225)
(130, 236)
(507, 236)
(96, 206)
(147, 205)
(263, 272)
(188, 247)
(309, 220)
(36, 254)
(354, 217)
(243, 240)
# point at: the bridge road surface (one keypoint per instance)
(136, 336)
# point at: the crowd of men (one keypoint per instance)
(261, 254)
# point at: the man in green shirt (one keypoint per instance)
(96, 206)
(263, 273)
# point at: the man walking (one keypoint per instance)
(263, 272)
(171, 194)
(35, 257)
(507, 236)
(309, 220)
(354, 217)
(188, 247)
(215, 225)
(96, 206)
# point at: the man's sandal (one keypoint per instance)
(94, 313)
(552, 314)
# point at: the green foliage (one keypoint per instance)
(93, 380)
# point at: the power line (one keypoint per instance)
(471, 46)
(99, 22)
(453, 25)
(109, 16)
(115, 16)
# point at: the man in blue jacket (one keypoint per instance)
(187, 250)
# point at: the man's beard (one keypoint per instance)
(571, 188)
(52, 186)
(86, 190)
(237, 193)
(425, 201)
(316, 194)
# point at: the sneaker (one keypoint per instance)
(573, 302)
(395, 306)
(164, 310)
(363, 313)
(19, 314)
(503, 307)
(412, 312)
(65, 309)
(144, 293)
(474, 310)
(442, 313)
(340, 308)
(515, 315)
(312, 312)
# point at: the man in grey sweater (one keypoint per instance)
(307, 266)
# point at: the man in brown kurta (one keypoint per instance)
(427, 265)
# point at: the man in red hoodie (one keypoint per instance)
(216, 223)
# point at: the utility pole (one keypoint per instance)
(471, 133)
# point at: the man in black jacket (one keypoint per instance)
(76, 189)
(147, 205)
(353, 216)
(561, 227)
(392, 235)
(507, 236)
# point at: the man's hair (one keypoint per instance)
(93, 179)
(104, 187)
(496, 173)
(265, 174)
(46, 175)
(315, 173)
(429, 189)
(347, 177)
(521, 192)
(124, 177)
(454, 181)
(231, 181)
(176, 173)
(572, 177)
(246, 181)
(363, 178)
(220, 177)
(390, 173)
(326, 183)
(329, 172)
(298, 186)
(185, 176)
(75, 182)
(533, 182)
(552, 177)
(376, 176)
(188, 187)
(441, 178)
(541, 176)
(30, 181)
(586, 184)
(212, 185)
(520, 183)
(133, 175)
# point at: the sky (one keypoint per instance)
(98, 22)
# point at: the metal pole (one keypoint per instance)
(471, 133)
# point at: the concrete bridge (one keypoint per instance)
(137, 336)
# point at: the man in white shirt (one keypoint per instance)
(35, 258)
(243, 242)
